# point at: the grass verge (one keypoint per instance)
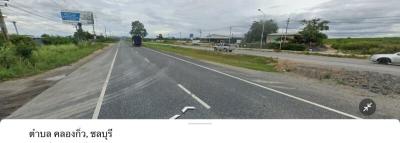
(244, 61)
(47, 58)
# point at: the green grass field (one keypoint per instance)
(46, 58)
(365, 45)
(244, 61)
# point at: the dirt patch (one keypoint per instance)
(379, 83)
(15, 93)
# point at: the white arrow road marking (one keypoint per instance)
(258, 85)
(175, 117)
(188, 108)
(195, 97)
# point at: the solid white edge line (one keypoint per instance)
(195, 97)
(258, 85)
(103, 90)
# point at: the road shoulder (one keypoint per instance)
(16, 93)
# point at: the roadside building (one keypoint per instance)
(276, 37)
(215, 38)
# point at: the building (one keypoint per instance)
(276, 37)
(215, 38)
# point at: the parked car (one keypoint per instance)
(224, 47)
(386, 58)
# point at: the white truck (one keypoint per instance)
(224, 47)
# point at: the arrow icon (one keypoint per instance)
(187, 108)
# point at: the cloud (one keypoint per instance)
(359, 18)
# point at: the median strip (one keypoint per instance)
(245, 61)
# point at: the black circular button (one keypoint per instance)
(367, 107)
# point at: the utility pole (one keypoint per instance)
(230, 34)
(263, 25)
(209, 37)
(94, 32)
(105, 31)
(15, 26)
(200, 33)
(3, 25)
(287, 26)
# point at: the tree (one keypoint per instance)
(255, 31)
(160, 37)
(312, 31)
(81, 35)
(138, 29)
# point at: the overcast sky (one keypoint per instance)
(349, 18)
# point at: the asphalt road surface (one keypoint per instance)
(140, 83)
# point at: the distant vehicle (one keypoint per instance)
(386, 58)
(137, 41)
(224, 47)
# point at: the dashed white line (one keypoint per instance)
(147, 60)
(103, 90)
(258, 85)
(195, 97)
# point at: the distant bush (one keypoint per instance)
(293, 47)
(287, 46)
(101, 38)
(56, 40)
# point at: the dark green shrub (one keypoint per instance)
(287, 46)
(7, 57)
(293, 47)
(24, 46)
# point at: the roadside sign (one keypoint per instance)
(86, 17)
(70, 17)
(74, 17)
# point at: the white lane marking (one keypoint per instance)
(258, 85)
(147, 60)
(175, 117)
(195, 97)
(188, 108)
(103, 91)
(282, 87)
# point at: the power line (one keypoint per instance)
(21, 6)
(35, 14)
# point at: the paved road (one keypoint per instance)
(139, 83)
(348, 63)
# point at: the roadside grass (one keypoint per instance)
(244, 61)
(47, 58)
(365, 46)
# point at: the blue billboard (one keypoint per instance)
(70, 16)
